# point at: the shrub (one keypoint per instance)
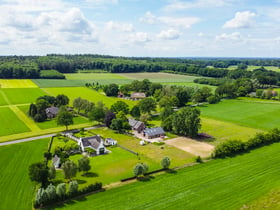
(165, 162)
(198, 159)
(229, 148)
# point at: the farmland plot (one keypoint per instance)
(16, 190)
(219, 184)
(17, 83)
(10, 123)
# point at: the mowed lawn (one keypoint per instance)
(10, 123)
(255, 114)
(150, 151)
(86, 93)
(109, 168)
(16, 190)
(22, 95)
(17, 83)
(218, 184)
(223, 131)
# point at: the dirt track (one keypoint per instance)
(192, 146)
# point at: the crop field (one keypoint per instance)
(16, 190)
(10, 123)
(22, 95)
(94, 76)
(46, 83)
(160, 77)
(219, 184)
(17, 83)
(251, 68)
(86, 93)
(255, 114)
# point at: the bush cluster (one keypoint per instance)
(53, 194)
(233, 147)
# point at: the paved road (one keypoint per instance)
(41, 137)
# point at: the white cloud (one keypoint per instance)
(182, 5)
(241, 20)
(235, 36)
(99, 2)
(184, 22)
(124, 27)
(169, 34)
(138, 37)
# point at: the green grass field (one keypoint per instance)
(223, 131)
(219, 184)
(22, 95)
(16, 190)
(109, 168)
(255, 114)
(86, 93)
(150, 151)
(3, 98)
(251, 68)
(17, 83)
(10, 123)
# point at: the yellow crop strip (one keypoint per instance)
(17, 83)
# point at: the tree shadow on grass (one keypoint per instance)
(91, 174)
(146, 178)
(171, 171)
(81, 181)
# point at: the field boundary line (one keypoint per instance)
(28, 122)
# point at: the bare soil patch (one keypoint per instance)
(192, 146)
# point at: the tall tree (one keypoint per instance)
(109, 116)
(69, 169)
(186, 122)
(111, 90)
(120, 106)
(39, 172)
(147, 105)
(61, 100)
(165, 162)
(61, 190)
(135, 112)
(64, 117)
(84, 164)
(73, 188)
(97, 114)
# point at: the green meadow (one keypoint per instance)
(22, 95)
(263, 115)
(10, 123)
(16, 189)
(86, 93)
(219, 184)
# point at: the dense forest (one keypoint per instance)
(35, 66)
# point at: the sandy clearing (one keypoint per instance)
(192, 146)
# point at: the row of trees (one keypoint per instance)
(233, 147)
(52, 194)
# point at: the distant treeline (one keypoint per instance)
(30, 66)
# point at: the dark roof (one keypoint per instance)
(154, 131)
(135, 124)
(93, 141)
(52, 110)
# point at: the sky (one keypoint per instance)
(152, 28)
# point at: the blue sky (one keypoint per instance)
(157, 28)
